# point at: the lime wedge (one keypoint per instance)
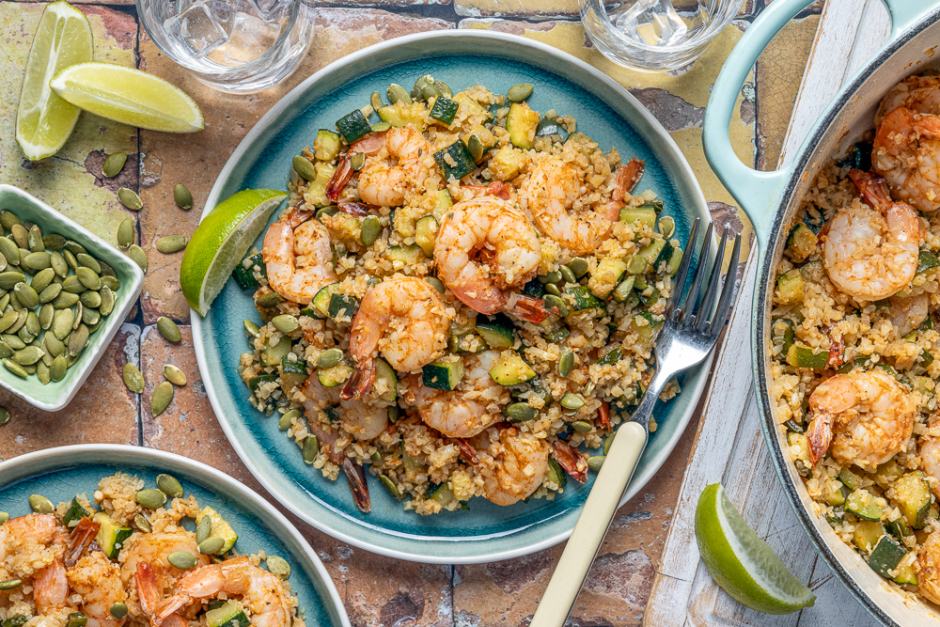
(221, 241)
(44, 121)
(740, 562)
(130, 96)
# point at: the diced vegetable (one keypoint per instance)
(353, 125)
(334, 375)
(790, 287)
(584, 298)
(804, 357)
(867, 534)
(74, 513)
(293, 373)
(402, 113)
(647, 330)
(898, 528)
(862, 503)
(455, 161)
(385, 373)
(605, 277)
(496, 331)
(111, 536)
(511, 369)
(254, 382)
(886, 556)
(912, 496)
(832, 492)
(327, 145)
(444, 110)
(556, 474)
(887, 473)
(272, 355)
(406, 255)
(443, 374)
(342, 306)
(783, 334)
(229, 614)
(926, 260)
(321, 300)
(801, 243)
(652, 251)
(849, 479)
(426, 234)
(442, 494)
(506, 163)
(220, 528)
(521, 124)
(245, 276)
(611, 357)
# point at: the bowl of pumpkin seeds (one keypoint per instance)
(63, 295)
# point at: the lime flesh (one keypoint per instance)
(740, 562)
(44, 121)
(221, 241)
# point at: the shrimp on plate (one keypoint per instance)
(909, 313)
(906, 152)
(298, 256)
(519, 465)
(871, 251)
(383, 184)
(145, 562)
(864, 418)
(918, 93)
(928, 576)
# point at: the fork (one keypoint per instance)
(687, 337)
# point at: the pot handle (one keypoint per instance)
(906, 12)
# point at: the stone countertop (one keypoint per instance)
(376, 590)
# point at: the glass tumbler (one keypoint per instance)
(655, 35)
(236, 46)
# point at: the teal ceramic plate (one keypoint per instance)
(604, 111)
(61, 473)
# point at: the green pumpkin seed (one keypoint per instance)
(20, 235)
(34, 240)
(475, 145)
(595, 462)
(397, 92)
(42, 373)
(168, 329)
(138, 256)
(90, 317)
(637, 264)
(113, 165)
(285, 323)
(119, 610)
(142, 524)
(70, 259)
(270, 299)
(667, 226)
(161, 399)
(125, 234)
(27, 337)
(150, 498)
(608, 441)
(15, 368)
(110, 282)
(556, 302)
(436, 282)
(169, 485)
(40, 504)
(74, 247)
(184, 560)
(84, 259)
(32, 323)
(171, 244)
(571, 401)
(4, 418)
(21, 317)
(378, 127)
(130, 199)
(46, 316)
(211, 545)
(424, 88)
(3, 263)
(371, 229)
(286, 420)
(53, 242)
(79, 308)
(133, 379)
(106, 270)
(358, 159)
(94, 327)
(329, 358)
(76, 619)
(581, 426)
(5, 351)
(278, 567)
(88, 277)
(59, 265)
(8, 219)
(14, 342)
(551, 277)
(203, 529)
(90, 299)
(7, 320)
(11, 584)
(174, 375)
(518, 93)
(183, 197)
(252, 329)
(64, 300)
(10, 251)
(567, 274)
(28, 356)
(326, 211)
(26, 295)
(3, 515)
(107, 300)
(390, 486)
(72, 285)
(566, 362)
(10, 278)
(304, 168)
(311, 448)
(444, 88)
(77, 340)
(5, 301)
(376, 101)
(58, 368)
(42, 280)
(521, 412)
(553, 289)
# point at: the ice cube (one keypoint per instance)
(202, 26)
(653, 22)
(269, 10)
(251, 38)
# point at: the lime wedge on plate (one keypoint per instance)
(740, 562)
(44, 121)
(221, 241)
(130, 96)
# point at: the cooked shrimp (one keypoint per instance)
(465, 411)
(145, 561)
(918, 93)
(403, 318)
(98, 581)
(260, 592)
(928, 558)
(50, 588)
(929, 452)
(868, 417)
(383, 184)
(484, 248)
(298, 256)
(27, 535)
(906, 152)
(871, 252)
(521, 462)
(909, 313)
(363, 419)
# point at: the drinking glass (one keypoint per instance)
(236, 46)
(655, 35)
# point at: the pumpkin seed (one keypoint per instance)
(151, 498)
(54, 345)
(119, 610)
(10, 584)
(5, 418)
(203, 529)
(74, 247)
(26, 295)
(567, 274)
(84, 259)
(42, 373)
(211, 545)
(595, 462)
(90, 317)
(285, 323)
(174, 375)
(326, 211)
(90, 299)
(475, 145)
(4, 300)
(110, 282)
(581, 426)
(46, 316)
(521, 412)
(142, 524)
(376, 101)
(125, 234)
(10, 251)
(287, 419)
(88, 277)
(14, 342)
(58, 368)
(107, 300)
(22, 314)
(329, 358)
(278, 567)
(34, 240)
(20, 236)
(70, 259)
(608, 441)
(551, 288)
(424, 88)
(113, 165)
(571, 401)
(64, 300)
(444, 88)
(183, 197)
(250, 327)
(7, 320)
(15, 368)
(371, 229)
(42, 280)
(304, 168)
(10, 278)
(8, 219)
(133, 379)
(40, 504)
(555, 302)
(168, 329)
(436, 282)
(73, 285)
(184, 560)
(130, 199)
(311, 448)
(270, 299)
(378, 127)
(28, 356)
(53, 242)
(59, 266)
(551, 277)
(32, 323)
(518, 93)
(138, 256)
(397, 92)
(3, 515)
(667, 226)
(161, 399)
(357, 160)
(390, 486)
(3, 263)
(77, 340)
(5, 351)
(169, 485)
(171, 244)
(106, 270)
(566, 362)
(78, 316)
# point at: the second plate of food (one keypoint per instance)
(496, 333)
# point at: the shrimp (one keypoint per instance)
(98, 581)
(918, 93)
(909, 313)
(403, 318)
(520, 463)
(50, 585)
(260, 592)
(484, 248)
(37, 535)
(929, 452)
(363, 419)
(928, 576)
(385, 185)
(467, 410)
(298, 255)
(867, 417)
(906, 152)
(145, 561)
(871, 252)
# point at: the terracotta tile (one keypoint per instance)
(196, 160)
(104, 411)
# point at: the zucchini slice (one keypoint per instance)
(912, 496)
(111, 536)
(321, 300)
(886, 556)
(849, 479)
(511, 369)
(861, 502)
(610, 358)
(441, 493)
(244, 274)
(867, 534)
(648, 330)
(293, 373)
(426, 233)
(584, 298)
(220, 528)
(521, 124)
(783, 332)
(402, 113)
(555, 473)
(800, 356)
(334, 375)
(644, 214)
(444, 110)
(74, 513)
(342, 306)
(406, 255)
(254, 382)
(443, 374)
(326, 145)
(353, 125)
(496, 331)
(455, 161)
(926, 260)
(801, 243)
(384, 372)
(790, 287)
(229, 614)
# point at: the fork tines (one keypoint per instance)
(694, 314)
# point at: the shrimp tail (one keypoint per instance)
(603, 416)
(148, 592)
(529, 308)
(82, 536)
(836, 347)
(358, 209)
(819, 435)
(872, 187)
(297, 216)
(571, 460)
(628, 176)
(467, 454)
(169, 607)
(356, 476)
(360, 382)
(340, 178)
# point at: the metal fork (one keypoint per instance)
(687, 337)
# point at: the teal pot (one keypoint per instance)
(771, 199)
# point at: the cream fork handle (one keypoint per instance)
(592, 526)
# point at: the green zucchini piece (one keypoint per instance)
(624, 289)
(792, 425)
(334, 375)
(926, 260)
(558, 335)
(849, 479)
(321, 300)
(832, 492)
(326, 145)
(867, 534)
(887, 473)
(801, 243)
(245, 276)
(511, 369)
(407, 255)
(912, 496)
(652, 251)
(861, 502)
(783, 332)
(74, 513)
(342, 306)
(859, 158)
(230, 614)
(111, 536)
(443, 374)
(272, 355)
(886, 556)
(353, 126)
(804, 357)
(496, 331)
(455, 161)
(410, 464)
(384, 372)
(906, 575)
(556, 474)
(790, 287)
(441, 493)
(644, 214)
(444, 110)
(646, 331)
(293, 373)
(521, 124)
(254, 382)
(584, 298)
(426, 233)
(610, 358)
(898, 528)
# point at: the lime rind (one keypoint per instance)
(741, 562)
